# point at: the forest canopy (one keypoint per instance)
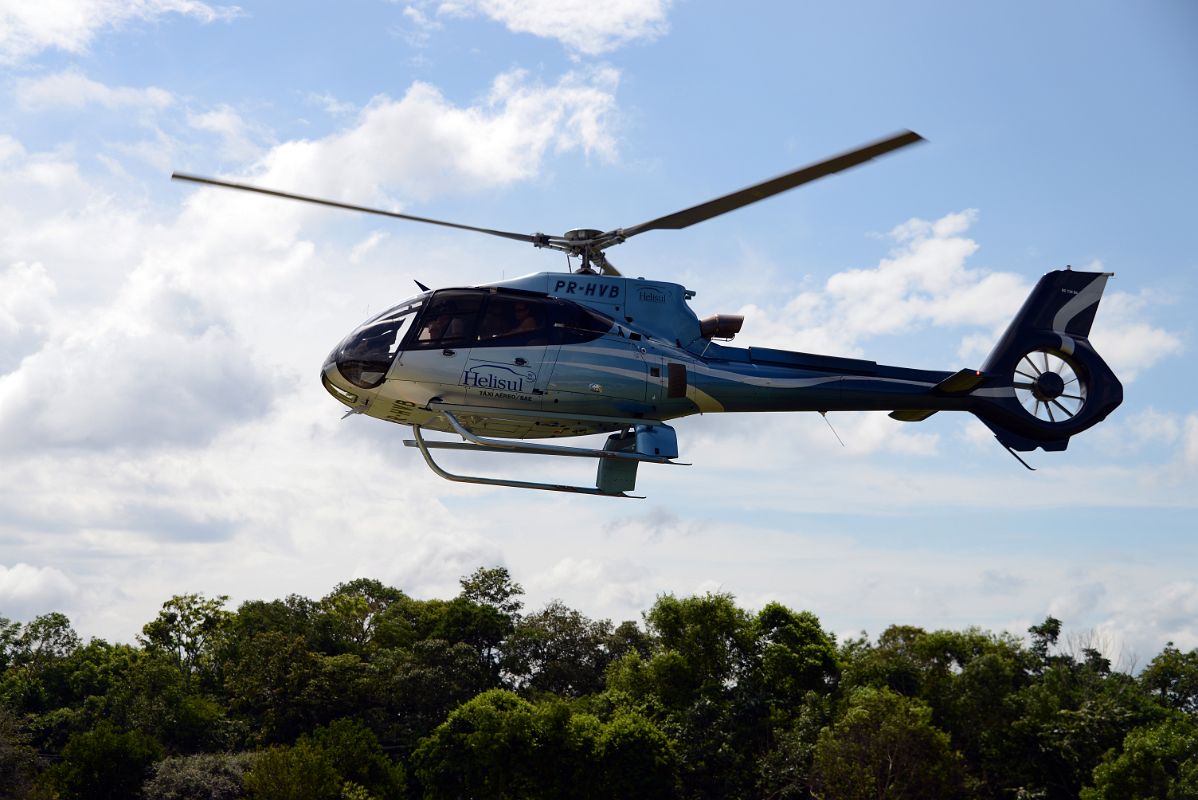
(371, 693)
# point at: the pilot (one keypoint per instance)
(435, 328)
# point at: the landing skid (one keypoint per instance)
(618, 460)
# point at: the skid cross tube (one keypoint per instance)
(547, 449)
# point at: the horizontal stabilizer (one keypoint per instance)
(959, 383)
(912, 414)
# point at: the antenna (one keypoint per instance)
(824, 414)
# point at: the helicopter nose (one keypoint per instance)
(336, 385)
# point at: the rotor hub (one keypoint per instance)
(1048, 386)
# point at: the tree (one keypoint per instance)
(415, 689)
(186, 629)
(103, 764)
(350, 615)
(484, 749)
(796, 656)
(1173, 678)
(46, 638)
(19, 762)
(151, 694)
(302, 772)
(494, 587)
(205, 776)
(707, 643)
(558, 651)
(884, 747)
(1156, 762)
(1044, 636)
(10, 634)
(702, 684)
(355, 752)
(638, 762)
(499, 745)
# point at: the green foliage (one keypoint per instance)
(1173, 678)
(355, 751)
(334, 761)
(637, 761)
(352, 616)
(416, 689)
(558, 651)
(102, 763)
(302, 772)
(1158, 761)
(710, 641)
(10, 633)
(796, 656)
(885, 746)
(501, 746)
(205, 776)
(485, 749)
(186, 629)
(494, 587)
(19, 763)
(1044, 636)
(46, 638)
(370, 693)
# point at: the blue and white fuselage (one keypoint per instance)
(565, 351)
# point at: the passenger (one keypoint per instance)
(525, 321)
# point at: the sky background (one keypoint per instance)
(163, 428)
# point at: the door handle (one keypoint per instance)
(520, 362)
(448, 352)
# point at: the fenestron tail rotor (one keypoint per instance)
(1049, 386)
(588, 244)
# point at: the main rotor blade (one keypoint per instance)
(522, 237)
(773, 186)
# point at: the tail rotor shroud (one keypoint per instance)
(1048, 386)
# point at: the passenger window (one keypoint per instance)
(514, 320)
(575, 324)
(449, 320)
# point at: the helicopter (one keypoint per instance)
(506, 365)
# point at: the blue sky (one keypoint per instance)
(162, 429)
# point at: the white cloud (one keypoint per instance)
(27, 28)
(618, 582)
(1128, 342)
(26, 296)
(1142, 621)
(26, 590)
(1191, 440)
(331, 105)
(924, 281)
(73, 90)
(239, 141)
(586, 27)
(423, 145)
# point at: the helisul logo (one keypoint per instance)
(499, 377)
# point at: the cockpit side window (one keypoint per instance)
(450, 320)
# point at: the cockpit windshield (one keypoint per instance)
(366, 354)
